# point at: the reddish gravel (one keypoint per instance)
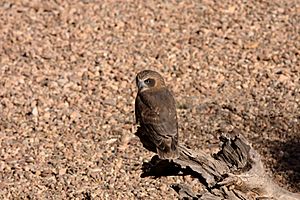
(67, 90)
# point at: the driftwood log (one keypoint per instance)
(235, 172)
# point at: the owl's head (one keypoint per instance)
(148, 79)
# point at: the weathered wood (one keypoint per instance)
(235, 172)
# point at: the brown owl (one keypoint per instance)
(155, 112)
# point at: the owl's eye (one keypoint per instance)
(150, 82)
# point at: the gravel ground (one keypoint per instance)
(67, 90)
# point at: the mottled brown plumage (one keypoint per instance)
(155, 112)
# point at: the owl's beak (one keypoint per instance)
(141, 85)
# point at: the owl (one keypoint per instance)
(155, 112)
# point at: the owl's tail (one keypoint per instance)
(168, 153)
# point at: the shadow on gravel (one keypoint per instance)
(159, 168)
(287, 156)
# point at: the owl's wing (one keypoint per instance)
(156, 113)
